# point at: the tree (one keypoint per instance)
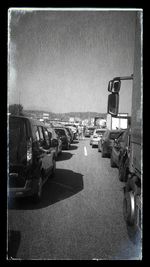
(16, 109)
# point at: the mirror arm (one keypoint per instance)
(124, 78)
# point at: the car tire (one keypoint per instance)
(112, 163)
(129, 208)
(38, 195)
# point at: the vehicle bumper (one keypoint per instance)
(28, 190)
(94, 143)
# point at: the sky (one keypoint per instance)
(62, 61)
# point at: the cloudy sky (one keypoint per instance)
(61, 61)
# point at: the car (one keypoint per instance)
(117, 149)
(64, 137)
(70, 132)
(56, 143)
(89, 131)
(31, 161)
(123, 167)
(106, 142)
(95, 138)
(73, 128)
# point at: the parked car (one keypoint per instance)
(31, 162)
(106, 142)
(64, 136)
(73, 128)
(117, 149)
(123, 165)
(70, 132)
(97, 135)
(89, 131)
(56, 143)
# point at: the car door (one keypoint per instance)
(46, 155)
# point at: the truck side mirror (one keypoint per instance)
(110, 86)
(113, 104)
(114, 85)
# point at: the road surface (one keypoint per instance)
(80, 216)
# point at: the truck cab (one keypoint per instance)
(132, 203)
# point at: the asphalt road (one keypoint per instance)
(80, 216)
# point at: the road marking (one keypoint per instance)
(85, 151)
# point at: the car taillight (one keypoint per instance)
(29, 151)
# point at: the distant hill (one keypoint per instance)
(65, 116)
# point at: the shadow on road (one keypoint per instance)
(14, 238)
(64, 156)
(72, 147)
(65, 184)
(75, 142)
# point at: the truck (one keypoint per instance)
(121, 121)
(132, 200)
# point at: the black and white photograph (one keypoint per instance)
(74, 134)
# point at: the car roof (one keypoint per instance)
(32, 121)
(100, 129)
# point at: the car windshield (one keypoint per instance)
(114, 135)
(68, 131)
(99, 132)
(60, 132)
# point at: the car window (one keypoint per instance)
(60, 132)
(120, 137)
(114, 135)
(37, 134)
(17, 139)
(41, 135)
(47, 138)
(99, 132)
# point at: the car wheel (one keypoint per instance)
(38, 195)
(129, 208)
(112, 164)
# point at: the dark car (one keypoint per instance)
(89, 131)
(56, 143)
(70, 133)
(73, 128)
(106, 142)
(31, 162)
(64, 136)
(117, 148)
(120, 155)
